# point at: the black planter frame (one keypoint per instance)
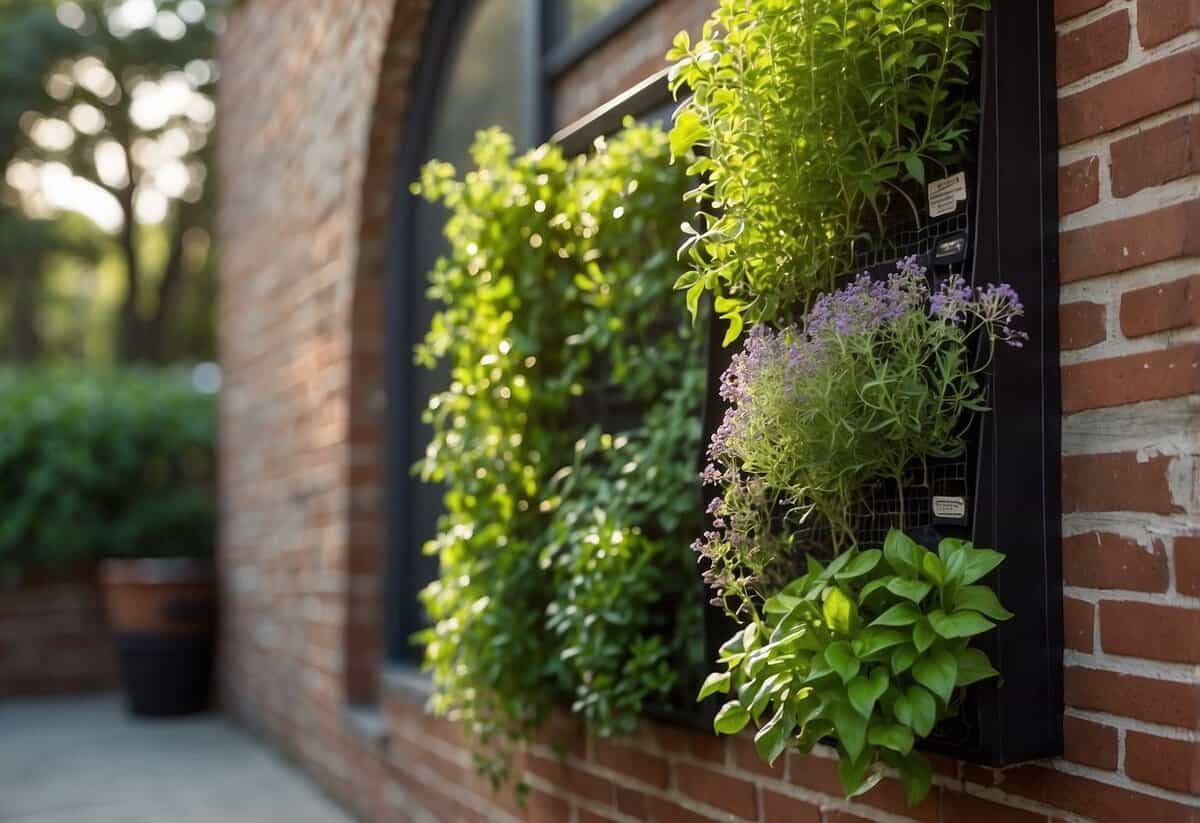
(1013, 481)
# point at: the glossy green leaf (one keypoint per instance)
(959, 624)
(839, 611)
(841, 659)
(981, 599)
(772, 739)
(973, 666)
(864, 691)
(894, 736)
(978, 563)
(860, 565)
(914, 590)
(851, 728)
(923, 635)
(903, 658)
(937, 672)
(731, 719)
(717, 682)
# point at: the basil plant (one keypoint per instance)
(869, 653)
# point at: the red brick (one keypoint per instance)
(1171, 764)
(1088, 49)
(632, 762)
(732, 794)
(817, 773)
(1130, 242)
(1091, 798)
(963, 808)
(843, 816)
(631, 802)
(585, 816)
(1079, 620)
(660, 810)
(1128, 98)
(1187, 565)
(779, 808)
(707, 747)
(544, 808)
(1081, 325)
(1161, 307)
(1117, 482)
(889, 796)
(1090, 743)
(570, 779)
(1133, 378)
(745, 756)
(1160, 20)
(1151, 631)
(1155, 156)
(1078, 185)
(1102, 560)
(1066, 9)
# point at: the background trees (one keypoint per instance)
(106, 113)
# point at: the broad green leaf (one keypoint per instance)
(839, 611)
(853, 773)
(842, 660)
(981, 599)
(923, 635)
(902, 614)
(714, 683)
(917, 776)
(903, 658)
(688, 130)
(923, 710)
(860, 565)
(892, 736)
(902, 553)
(978, 563)
(864, 691)
(914, 590)
(772, 739)
(937, 672)
(781, 604)
(735, 328)
(851, 728)
(973, 666)
(731, 719)
(915, 167)
(933, 569)
(959, 624)
(872, 640)
(872, 587)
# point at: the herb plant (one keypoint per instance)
(881, 376)
(565, 441)
(870, 651)
(817, 120)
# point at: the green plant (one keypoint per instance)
(882, 376)
(101, 465)
(869, 652)
(817, 118)
(560, 569)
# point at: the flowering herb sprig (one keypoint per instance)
(882, 374)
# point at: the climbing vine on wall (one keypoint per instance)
(567, 440)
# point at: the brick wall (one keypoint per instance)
(53, 639)
(312, 106)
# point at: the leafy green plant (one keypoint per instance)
(818, 119)
(870, 652)
(565, 441)
(102, 465)
(882, 376)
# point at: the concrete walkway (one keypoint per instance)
(86, 761)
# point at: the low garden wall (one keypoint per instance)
(53, 637)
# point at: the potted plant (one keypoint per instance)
(115, 470)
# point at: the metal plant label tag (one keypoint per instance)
(949, 508)
(945, 194)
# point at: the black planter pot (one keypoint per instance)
(162, 613)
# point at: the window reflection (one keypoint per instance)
(577, 15)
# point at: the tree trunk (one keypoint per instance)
(156, 328)
(130, 342)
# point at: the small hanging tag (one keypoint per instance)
(947, 509)
(946, 194)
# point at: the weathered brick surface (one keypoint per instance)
(53, 637)
(313, 110)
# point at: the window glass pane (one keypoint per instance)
(482, 85)
(577, 15)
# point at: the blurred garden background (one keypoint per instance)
(107, 286)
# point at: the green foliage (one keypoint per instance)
(103, 465)
(883, 376)
(869, 652)
(817, 119)
(562, 576)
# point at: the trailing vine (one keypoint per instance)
(566, 441)
(815, 120)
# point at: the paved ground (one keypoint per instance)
(86, 761)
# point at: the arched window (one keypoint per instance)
(473, 77)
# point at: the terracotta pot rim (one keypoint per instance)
(151, 570)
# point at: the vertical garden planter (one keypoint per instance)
(162, 613)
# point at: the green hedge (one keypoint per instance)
(103, 465)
